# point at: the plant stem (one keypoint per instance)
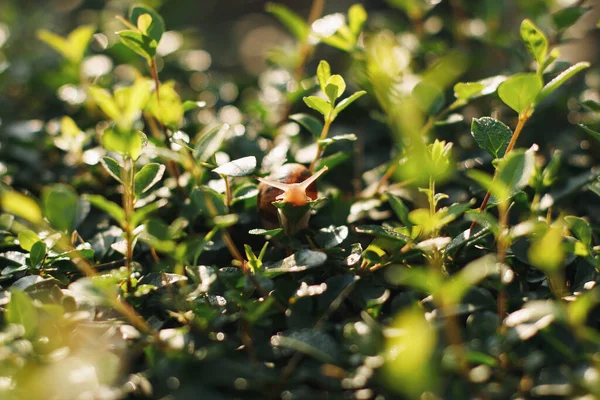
(128, 204)
(523, 117)
(323, 136)
(154, 72)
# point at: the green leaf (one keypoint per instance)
(22, 311)
(105, 101)
(210, 141)
(334, 87)
(318, 104)
(27, 239)
(560, 80)
(591, 132)
(581, 229)
(491, 135)
(567, 17)
(473, 90)
(292, 21)
(323, 74)
(520, 90)
(142, 213)
(496, 187)
(73, 46)
(143, 45)
(535, 41)
(300, 261)
(37, 253)
(357, 16)
(515, 169)
(399, 208)
(147, 177)
(383, 232)
(265, 232)
(128, 143)
(429, 97)
(240, 167)
(547, 253)
(592, 105)
(466, 90)
(21, 206)
(112, 167)
(338, 138)
(170, 109)
(331, 236)
(109, 207)
(312, 124)
(347, 101)
(60, 203)
(157, 26)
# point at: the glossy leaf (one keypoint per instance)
(560, 80)
(240, 167)
(155, 28)
(112, 167)
(148, 176)
(491, 135)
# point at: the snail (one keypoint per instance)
(292, 184)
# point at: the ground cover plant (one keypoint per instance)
(401, 202)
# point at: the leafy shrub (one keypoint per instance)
(158, 242)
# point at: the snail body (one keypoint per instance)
(293, 184)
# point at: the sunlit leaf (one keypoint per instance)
(147, 177)
(520, 90)
(240, 167)
(535, 40)
(557, 82)
(318, 104)
(21, 206)
(292, 21)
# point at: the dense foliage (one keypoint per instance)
(156, 239)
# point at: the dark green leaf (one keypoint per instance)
(37, 254)
(156, 28)
(312, 124)
(567, 17)
(491, 135)
(143, 45)
(147, 177)
(60, 203)
(112, 167)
